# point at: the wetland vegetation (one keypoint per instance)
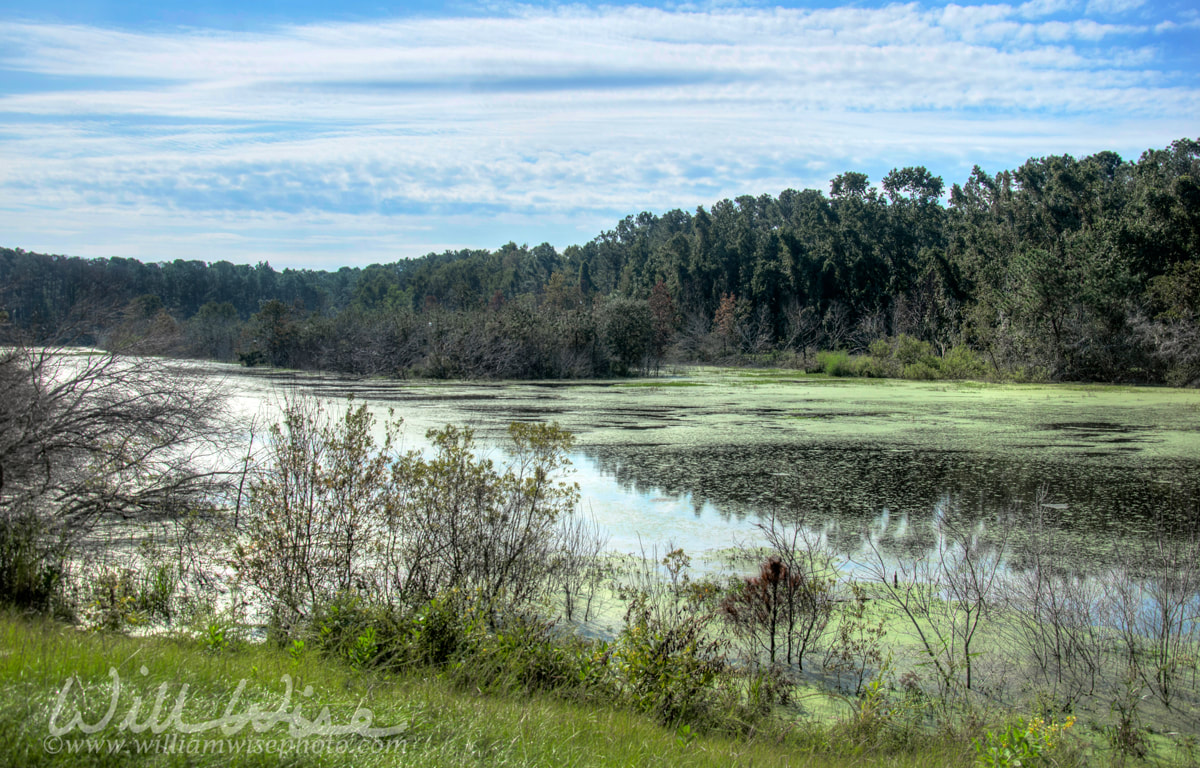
(862, 570)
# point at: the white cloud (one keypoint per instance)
(1037, 8)
(1113, 7)
(564, 117)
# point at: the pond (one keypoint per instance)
(695, 459)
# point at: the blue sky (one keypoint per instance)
(312, 134)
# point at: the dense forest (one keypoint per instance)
(1081, 269)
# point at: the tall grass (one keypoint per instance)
(446, 725)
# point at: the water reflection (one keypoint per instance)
(844, 488)
(708, 497)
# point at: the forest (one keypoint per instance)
(1062, 269)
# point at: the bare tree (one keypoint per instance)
(945, 594)
(1060, 617)
(89, 436)
(803, 329)
(695, 337)
(576, 570)
(869, 327)
(835, 325)
(757, 334)
(1158, 594)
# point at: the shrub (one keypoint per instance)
(874, 368)
(1033, 374)
(664, 661)
(332, 513)
(156, 589)
(881, 361)
(910, 350)
(349, 629)
(526, 653)
(463, 524)
(1023, 744)
(856, 652)
(780, 612)
(921, 371)
(311, 502)
(880, 349)
(962, 362)
(112, 600)
(439, 632)
(31, 568)
(835, 363)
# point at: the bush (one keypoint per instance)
(31, 570)
(526, 653)
(962, 362)
(312, 502)
(921, 371)
(440, 632)
(1022, 744)
(332, 513)
(874, 368)
(880, 349)
(781, 613)
(910, 350)
(1033, 374)
(665, 661)
(879, 363)
(350, 630)
(835, 363)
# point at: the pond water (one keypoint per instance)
(694, 460)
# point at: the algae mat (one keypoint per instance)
(700, 455)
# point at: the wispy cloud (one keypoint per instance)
(540, 124)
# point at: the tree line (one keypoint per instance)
(1064, 268)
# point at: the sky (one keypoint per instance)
(319, 135)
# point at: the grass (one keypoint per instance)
(444, 725)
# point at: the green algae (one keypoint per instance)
(699, 456)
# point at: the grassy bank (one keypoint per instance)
(442, 724)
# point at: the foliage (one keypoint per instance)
(1023, 744)
(627, 330)
(310, 510)
(962, 362)
(31, 567)
(334, 517)
(1081, 268)
(782, 605)
(665, 662)
(835, 363)
(463, 524)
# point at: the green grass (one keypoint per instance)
(445, 725)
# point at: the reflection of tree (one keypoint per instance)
(849, 486)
